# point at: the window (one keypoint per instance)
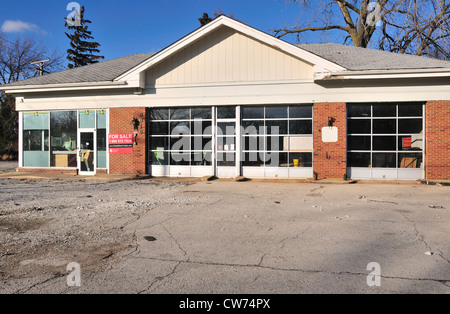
(63, 140)
(385, 135)
(277, 136)
(35, 139)
(101, 139)
(50, 138)
(181, 136)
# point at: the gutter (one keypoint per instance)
(383, 74)
(50, 87)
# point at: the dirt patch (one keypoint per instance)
(44, 227)
(18, 225)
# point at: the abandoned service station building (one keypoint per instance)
(229, 100)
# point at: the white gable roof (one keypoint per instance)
(322, 66)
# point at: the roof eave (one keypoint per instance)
(384, 74)
(64, 87)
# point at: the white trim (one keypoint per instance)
(230, 84)
(389, 74)
(94, 134)
(107, 139)
(21, 139)
(65, 87)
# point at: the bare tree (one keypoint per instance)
(16, 57)
(419, 27)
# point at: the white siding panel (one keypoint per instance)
(228, 56)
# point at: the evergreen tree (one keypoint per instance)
(83, 51)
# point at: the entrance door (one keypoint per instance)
(226, 146)
(86, 152)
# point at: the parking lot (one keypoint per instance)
(165, 236)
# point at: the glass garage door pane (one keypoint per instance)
(300, 127)
(277, 127)
(359, 126)
(385, 143)
(253, 159)
(410, 160)
(159, 128)
(298, 112)
(384, 160)
(226, 112)
(159, 158)
(253, 113)
(358, 160)
(359, 111)
(275, 159)
(359, 143)
(253, 127)
(201, 113)
(412, 126)
(385, 126)
(300, 160)
(159, 143)
(410, 110)
(276, 112)
(385, 110)
(180, 159)
(180, 114)
(159, 114)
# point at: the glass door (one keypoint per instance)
(225, 142)
(86, 152)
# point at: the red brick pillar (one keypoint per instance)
(437, 142)
(120, 121)
(330, 159)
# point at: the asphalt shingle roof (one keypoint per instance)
(363, 59)
(349, 57)
(97, 72)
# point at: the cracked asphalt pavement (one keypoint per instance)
(227, 237)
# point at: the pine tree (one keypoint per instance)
(83, 51)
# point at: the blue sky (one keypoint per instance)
(136, 26)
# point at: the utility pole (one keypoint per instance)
(40, 66)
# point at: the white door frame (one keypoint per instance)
(230, 171)
(94, 133)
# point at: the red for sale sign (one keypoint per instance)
(121, 143)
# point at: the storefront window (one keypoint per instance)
(63, 142)
(35, 139)
(50, 138)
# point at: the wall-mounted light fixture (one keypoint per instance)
(135, 123)
(331, 121)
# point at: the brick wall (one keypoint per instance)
(437, 151)
(48, 170)
(330, 159)
(120, 122)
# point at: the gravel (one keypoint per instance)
(46, 224)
